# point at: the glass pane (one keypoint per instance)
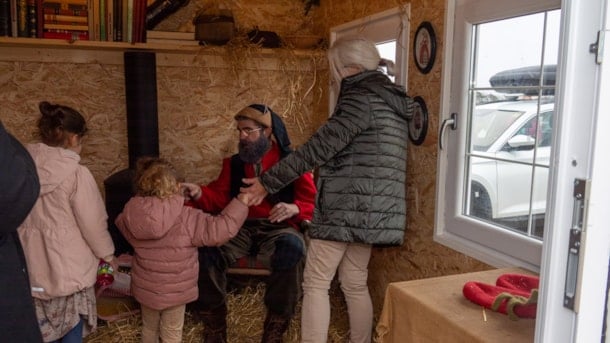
(505, 45)
(510, 121)
(541, 175)
(387, 50)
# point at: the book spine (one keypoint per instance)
(69, 35)
(32, 18)
(59, 11)
(65, 5)
(13, 4)
(129, 21)
(96, 19)
(50, 18)
(89, 16)
(118, 20)
(109, 20)
(102, 19)
(39, 18)
(139, 13)
(66, 26)
(5, 18)
(22, 18)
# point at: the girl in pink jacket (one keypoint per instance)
(165, 235)
(65, 234)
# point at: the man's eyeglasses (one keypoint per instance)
(248, 131)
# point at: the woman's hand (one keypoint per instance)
(282, 211)
(190, 191)
(255, 189)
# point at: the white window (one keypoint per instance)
(531, 118)
(492, 197)
(390, 32)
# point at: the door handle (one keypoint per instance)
(449, 122)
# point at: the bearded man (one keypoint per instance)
(272, 231)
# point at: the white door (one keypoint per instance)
(526, 92)
(579, 280)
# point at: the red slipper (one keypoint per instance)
(513, 302)
(518, 281)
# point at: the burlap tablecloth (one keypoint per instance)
(435, 310)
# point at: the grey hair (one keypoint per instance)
(356, 52)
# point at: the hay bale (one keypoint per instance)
(244, 321)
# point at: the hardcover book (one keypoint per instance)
(68, 35)
(5, 18)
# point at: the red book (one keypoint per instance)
(58, 18)
(75, 35)
(65, 26)
(39, 18)
(62, 11)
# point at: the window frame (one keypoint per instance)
(380, 27)
(496, 247)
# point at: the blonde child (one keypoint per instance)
(165, 235)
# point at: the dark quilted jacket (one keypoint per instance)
(362, 157)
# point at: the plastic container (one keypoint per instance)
(104, 274)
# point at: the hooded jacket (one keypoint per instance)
(165, 235)
(65, 234)
(361, 152)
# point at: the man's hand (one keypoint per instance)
(190, 191)
(282, 211)
(255, 190)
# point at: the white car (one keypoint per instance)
(505, 140)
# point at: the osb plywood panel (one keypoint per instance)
(196, 104)
(199, 94)
(419, 257)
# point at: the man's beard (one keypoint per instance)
(252, 152)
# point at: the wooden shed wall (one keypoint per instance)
(199, 93)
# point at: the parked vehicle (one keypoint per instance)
(510, 147)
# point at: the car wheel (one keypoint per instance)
(480, 203)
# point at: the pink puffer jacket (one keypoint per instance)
(65, 234)
(165, 235)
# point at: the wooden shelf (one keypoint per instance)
(96, 45)
(173, 47)
(170, 54)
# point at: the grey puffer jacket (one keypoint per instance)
(362, 154)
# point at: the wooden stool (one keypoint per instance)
(250, 265)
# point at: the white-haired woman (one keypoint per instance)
(361, 153)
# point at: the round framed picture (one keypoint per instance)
(418, 125)
(424, 47)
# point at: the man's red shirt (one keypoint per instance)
(217, 194)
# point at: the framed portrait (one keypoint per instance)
(424, 47)
(418, 125)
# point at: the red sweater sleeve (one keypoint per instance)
(304, 196)
(216, 195)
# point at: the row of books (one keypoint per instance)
(101, 20)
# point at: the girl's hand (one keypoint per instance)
(112, 261)
(245, 198)
(255, 190)
(190, 191)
